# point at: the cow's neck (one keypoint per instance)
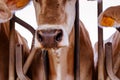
(61, 61)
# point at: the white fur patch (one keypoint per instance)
(58, 72)
(37, 43)
(70, 11)
(4, 20)
(58, 66)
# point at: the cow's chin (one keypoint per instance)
(54, 50)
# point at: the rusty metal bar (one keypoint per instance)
(24, 24)
(29, 60)
(77, 45)
(33, 51)
(46, 63)
(108, 55)
(100, 45)
(19, 70)
(12, 44)
(11, 51)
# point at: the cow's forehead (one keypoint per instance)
(54, 11)
(51, 2)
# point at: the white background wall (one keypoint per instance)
(88, 15)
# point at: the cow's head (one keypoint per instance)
(7, 7)
(55, 19)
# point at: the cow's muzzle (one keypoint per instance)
(50, 38)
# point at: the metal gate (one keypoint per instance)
(22, 71)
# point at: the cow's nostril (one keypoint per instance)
(58, 36)
(39, 36)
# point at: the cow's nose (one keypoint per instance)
(50, 38)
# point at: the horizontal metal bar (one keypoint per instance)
(91, 0)
(24, 24)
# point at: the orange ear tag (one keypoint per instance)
(107, 22)
(22, 3)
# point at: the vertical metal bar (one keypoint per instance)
(108, 55)
(77, 45)
(46, 64)
(11, 50)
(100, 46)
(19, 70)
(29, 60)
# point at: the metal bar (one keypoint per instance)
(100, 46)
(118, 29)
(11, 51)
(24, 24)
(46, 63)
(19, 70)
(91, 0)
(29, 60)
(108, 55)
(77, 45)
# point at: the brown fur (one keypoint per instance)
(52, 12)
(86, 55)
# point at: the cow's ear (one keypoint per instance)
(16, 4)
(107, 21)
(110, 17)
(5, 13)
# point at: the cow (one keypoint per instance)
(7, 8)
(55, 33)
(110, 18)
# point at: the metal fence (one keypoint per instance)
(18, 47)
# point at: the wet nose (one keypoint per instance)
(50, 38)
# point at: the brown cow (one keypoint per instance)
(6, 6)
(55, 32)
(111, 18)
